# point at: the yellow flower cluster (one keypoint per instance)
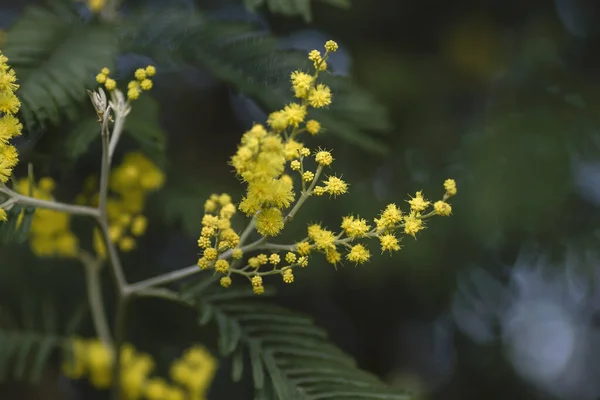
(191, 375)
(267, 159)
(384, 228)
(217, 235)
(130, 184)
(142, 81)
(50, 234)
(10, 126)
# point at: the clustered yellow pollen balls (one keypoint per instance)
(135, 87)
(50, 234)
(280, 174)
(190, 376)
(10, 126)
(130, 184)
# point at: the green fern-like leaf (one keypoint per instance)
(290, 358)
(55, 56)
(25, 354)
(252, 62)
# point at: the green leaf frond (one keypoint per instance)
(55, 55)
(289, 357)
(252, 62)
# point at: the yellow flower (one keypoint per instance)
(301, 83)
(418, 203)
(210, 254)
(269, 222)
(331, 46)
(314, 56)
(278, 120)
(335, 186)
(442, 208)
(101, 78)
(391, 216)
(99, 360)
(320, 96)
(324, 239)
(413, 224)
(140, 74)
(313, 127)
(303, 248)
(110, 84)
(389, 242)
(146, 84)
(308, 176)
(3, 216)
(290, 257)
(450, 186)
(358, 254)
(323, 158)
(156, 389)
(105, 71)
(256, 280)
(221, 266)
(355, 227)
(288, 276)
(295, 114)
(225, 281)
(333, 256)
(237, 254)
(10, 127)
(139, 225)
(150, 70)
(274, 259)
(127, 244)
(9, 103)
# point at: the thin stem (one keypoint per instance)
(120, 332)
(305, 195)
(249, 229)
(95, 300)
(50, 205)
(104, 166)
(116, 135)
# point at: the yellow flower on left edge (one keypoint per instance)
(9, 124)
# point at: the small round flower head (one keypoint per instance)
(303, 248)
(333, 256)
(274, 259)
(442, 208)
(358, 254)
(203, 263)
(313, 127)
(335, 186)
(331, 46)
(127, 244)
(110, 84)
(315, 56)
(303, 261)
(225, 281)
(3, 216)
(389, 242)
(210, 254)
(413, 224)
(257, 280)
(320, 96)
(140, 74)
(150, 70)
(355, 227)
(450, 186)
(295, 165)
(308, 176)
(237, 254)
(290, 257)
(101, 78)
(323, 158)
(258, 290)
(269, 222)
(301, 83)
(105, 71)
(221, 266)
(294, 114)
(262, 259)
(146, 84)
(304, 152)
(288, 276)
(418, 203)
(391, 216)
